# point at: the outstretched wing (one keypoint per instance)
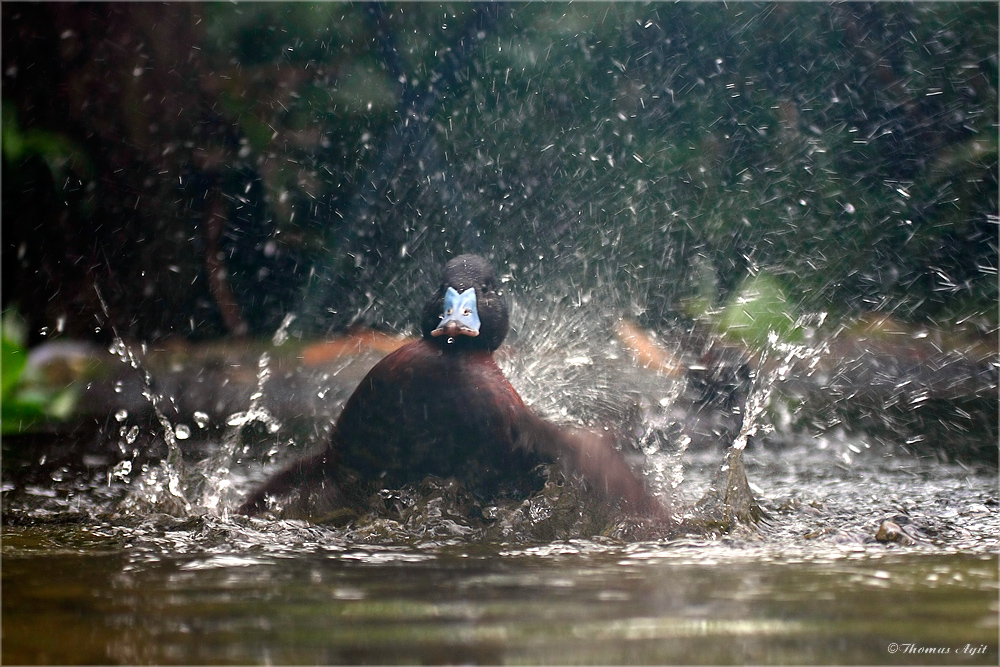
(592, 455)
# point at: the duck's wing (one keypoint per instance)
(298, 474)
(592, 455)
(324, 464)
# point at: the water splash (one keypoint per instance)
(568, 364)
(769, 374)
(216, 478)
(168, 474)
(729, 502)
(281, 335)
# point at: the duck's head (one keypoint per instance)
(467, 311)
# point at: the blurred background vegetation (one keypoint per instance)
(212, 167)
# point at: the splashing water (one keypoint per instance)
(216, 478)
(768, 375)
(569, 361)
(170, 471)
(567, 364)
(281, 335)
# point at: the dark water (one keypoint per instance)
(810, 585)
(588, 602)
(867, 553)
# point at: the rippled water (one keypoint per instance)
(866, 553)
(591, 602)
(811, 584)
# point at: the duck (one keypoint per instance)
(442, 406)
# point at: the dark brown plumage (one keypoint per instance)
(441, 406)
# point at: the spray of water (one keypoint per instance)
(214, 474)
(730, 501)
(567, 363)
(564, 359)
(160, 486)
(787, 356)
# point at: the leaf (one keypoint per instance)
(19, 415)
(13, 358)
(757, 309)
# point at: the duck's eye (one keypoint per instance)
(448, 312)
(466, 312)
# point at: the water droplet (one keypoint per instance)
(281, 335)
(182, 431)
(201, 419)
(132, 434)
(122, 470)
(121, 415)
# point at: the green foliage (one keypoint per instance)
(656, 151)
(25, 401)
(58, 150)
(759, 308)
(793, 136)
(13, 358)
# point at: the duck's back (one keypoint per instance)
(425, 411)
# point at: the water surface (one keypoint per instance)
(810, 585)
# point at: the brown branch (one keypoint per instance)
(218, 275)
